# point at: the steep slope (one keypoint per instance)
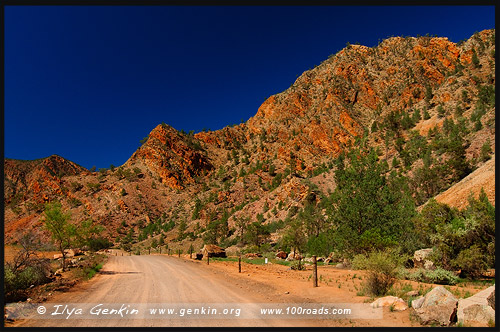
(174, 157)
(482, 178)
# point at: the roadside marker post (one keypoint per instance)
(208, 258)
(239, 264)
(315, 272)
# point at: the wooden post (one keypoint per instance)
(239, 264)
(169, 251)
(179, 253)
(315, 272)
(160, 250)
(191, 252)
(208, 258)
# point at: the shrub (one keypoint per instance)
(99, 243)
(74, 202)
(297, 265)
(471, 261)
(90, 272)
(441, 276)
(16, 281)
(382, 272)
(437, 276)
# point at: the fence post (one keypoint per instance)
(179, 253)
(315, 272)
(239, 264)
(208, 258)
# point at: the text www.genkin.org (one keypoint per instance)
(199, 311)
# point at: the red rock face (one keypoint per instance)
(37, 179)
(173, 156)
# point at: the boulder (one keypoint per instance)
(211, 250)
(69, 253)
(438, 307)
(412, 293)
(397, 303)
(334, 257)
(291, 257)
(417, 303)
(429, 265)
(281, 255)
(420, 258)
(252, 255)
(476, 310)
(491, 300)
(340, 266)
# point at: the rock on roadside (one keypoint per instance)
(439, 307)
(476, 310)
(397, 303)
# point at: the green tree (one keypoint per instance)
(456, 147)
(197, 207)
(369, 211)
(475, 59)
(294, 238)
(63, 233)
(181, 230)
(257, 234)
(87, 232)
(463, 240)
(485, 151)
(427, 116)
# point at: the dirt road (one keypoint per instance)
(158, 279)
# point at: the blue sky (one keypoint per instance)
(89, 82)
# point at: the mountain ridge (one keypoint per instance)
(260, 170)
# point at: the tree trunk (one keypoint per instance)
(63, 258)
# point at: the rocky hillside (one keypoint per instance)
(409, 98)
